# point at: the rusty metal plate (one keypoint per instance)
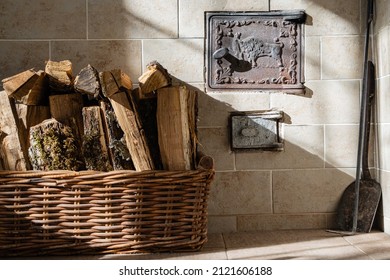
(256, 130)
(247, 50)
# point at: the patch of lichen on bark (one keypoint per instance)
(54, 147)
(95, 157)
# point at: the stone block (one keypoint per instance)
(215, 107)
(191, 13)
(308, 191)
(332, 17)
(280, 222)
(341, 142)
(222, 224)
(241, 192)
(46, 19)
(382, 14)
(303, 148)
(183, 58)
(383, 99)
(326, 102)
(104, 55)
(384, 148)
(312, 58)
(215, 143)
(18, 56)
(132, 19)
(383, 52)
(342, 57)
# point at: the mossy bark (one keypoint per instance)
(94, 144)
(119, 153)
(54, 146)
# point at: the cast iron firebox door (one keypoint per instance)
(255, 50)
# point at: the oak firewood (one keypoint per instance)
(154, 78)
(122, 80)
(114, 81)
(28, 116)
(66, 106)
(118, 151)
(108, 84)
(176, 127)
(94, 144)
(12, 149)
(129, 121)
(87, 82)
(53, 146)
(28, 87)
(60, 75)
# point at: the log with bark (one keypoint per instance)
(87, 82)
(53, 146)
(129, 121)
(94, 145)
(177, 127)
(117, 147)
(116, 86)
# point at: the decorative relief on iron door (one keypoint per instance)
(255, 50)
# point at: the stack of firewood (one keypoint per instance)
(52, 120)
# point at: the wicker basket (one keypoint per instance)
(88, 212)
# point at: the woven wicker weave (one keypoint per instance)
(88, 212)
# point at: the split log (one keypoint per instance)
(114, 81)
(28, 116)
(154, 78)
(119, 153)
(60, 75)
(122, 80)
(147, 109)
(28, 87)
(53, 146)
(129, 121)
(12, 151)
(108, 84)
(87, 82)
(176, 127)
(66, 106)
(94, 144)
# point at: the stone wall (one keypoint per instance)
(295, 188)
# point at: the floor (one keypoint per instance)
(275, 245)
(283, 245)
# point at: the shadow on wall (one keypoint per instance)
(297, 188)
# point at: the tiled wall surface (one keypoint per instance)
(382, 114)
(295, 188)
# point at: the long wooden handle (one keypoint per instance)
(363, 110)
(370, 95)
